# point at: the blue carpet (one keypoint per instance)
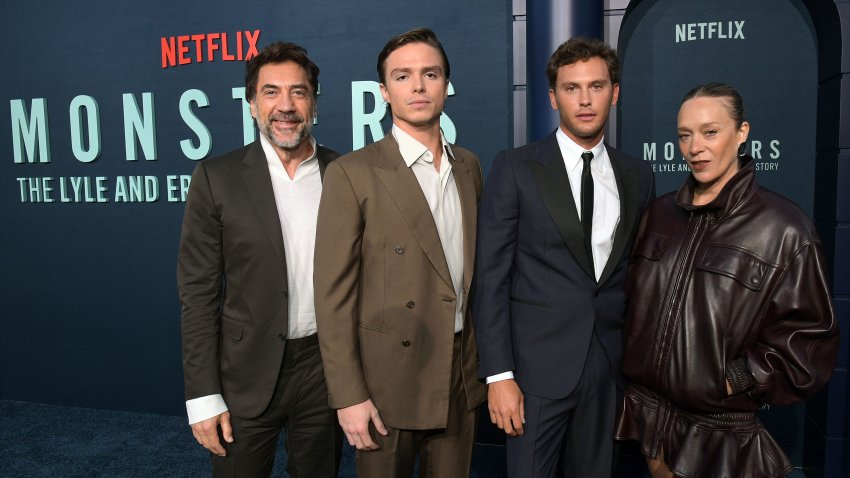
(52, 441)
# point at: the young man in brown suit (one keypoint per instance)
(395, 245)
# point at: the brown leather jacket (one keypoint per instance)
(734, 289)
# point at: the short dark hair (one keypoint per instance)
(582, 49)
(279, 52)
(734, 104)
(418, 35)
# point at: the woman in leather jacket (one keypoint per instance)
(729, 308)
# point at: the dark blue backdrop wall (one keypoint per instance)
(766, 49)
(107, 109)
(109, 106)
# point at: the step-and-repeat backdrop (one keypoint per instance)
(765, 49)
(107, 107)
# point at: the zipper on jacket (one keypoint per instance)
(670, 318)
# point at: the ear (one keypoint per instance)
(616, 95)
(552, 100)
(384, 93)
(253, 106)
(743, 132)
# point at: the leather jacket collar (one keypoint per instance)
(734, 193)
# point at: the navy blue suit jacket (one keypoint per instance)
(536, 299)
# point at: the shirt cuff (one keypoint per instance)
(509, 375)
(202, 408)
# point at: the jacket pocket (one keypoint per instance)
(651, 246)
(531, 302)
(375, 328)
(231, 328)
(744, 267)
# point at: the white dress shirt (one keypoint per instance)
(606, 204)
(441, 193)
(297, 201)
(606, 198)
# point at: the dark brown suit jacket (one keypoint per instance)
(385, 304)
(231, 275)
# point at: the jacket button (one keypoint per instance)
(410, 304)
(399, 249)
(281, 337)
(405, 343)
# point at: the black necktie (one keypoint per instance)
(587, 204)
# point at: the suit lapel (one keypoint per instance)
(324, 156)
(628, 185)
(258, 183)
(469, 207)
(554, 184)
(404, 188)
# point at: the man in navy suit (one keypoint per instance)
(555, 229)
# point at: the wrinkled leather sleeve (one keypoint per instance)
(738, 375)
(795, 352)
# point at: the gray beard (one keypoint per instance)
(302, 131)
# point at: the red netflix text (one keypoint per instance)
(185, 49)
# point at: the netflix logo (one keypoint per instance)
(186, 49)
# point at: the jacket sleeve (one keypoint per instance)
(200, 284)
(339, 233)
(498, 218)
(795, 350)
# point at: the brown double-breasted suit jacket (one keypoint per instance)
(385, 303)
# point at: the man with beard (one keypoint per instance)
(251, 356)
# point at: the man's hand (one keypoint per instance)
(507, 406)
(354, 421)
(206, 432)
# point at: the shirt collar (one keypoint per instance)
(411, 149)
(271, 154)
(571, 152)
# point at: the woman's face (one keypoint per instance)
(709, 139)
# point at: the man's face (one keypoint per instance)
(284, 104)
(583, 96)
(415, 86)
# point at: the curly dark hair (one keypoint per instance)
(279, 52)
(582, 49)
